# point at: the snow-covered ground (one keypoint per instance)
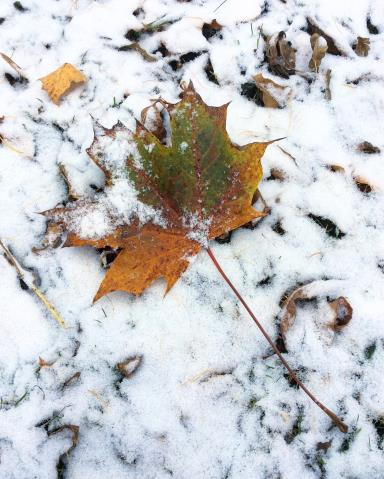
(207, 400)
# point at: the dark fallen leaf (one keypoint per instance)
(368, 148)
(210, 30)
(281, 55)
(363, 185)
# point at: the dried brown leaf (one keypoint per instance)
(281, 55)
(129, 366)
(368, 148)
(273, 94)
(319, 49)
(362, 46)
(343, 313)
(289, 311)
(333, 48)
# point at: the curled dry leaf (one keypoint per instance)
(319, 49)
(62, 463)
(363, 184)
(362, 46)
(129, 366)
(289, 314)
(62, 81)
(343, 313)
(201, 176)
(333, 48)
(273, 94)
(281, 55)
(336, 168)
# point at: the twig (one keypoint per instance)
(38, 293)
(222, 3)
(338, 422)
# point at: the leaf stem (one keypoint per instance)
(337, 421)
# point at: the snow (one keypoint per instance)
(207, 400)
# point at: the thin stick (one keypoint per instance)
(37, 292)
(339, 423)
(222, 3)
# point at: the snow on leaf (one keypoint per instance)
(202, 186)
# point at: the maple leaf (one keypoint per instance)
(202, 184)
(61, 81)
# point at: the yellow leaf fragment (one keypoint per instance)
(61, 81)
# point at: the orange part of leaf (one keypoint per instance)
(147, 257)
